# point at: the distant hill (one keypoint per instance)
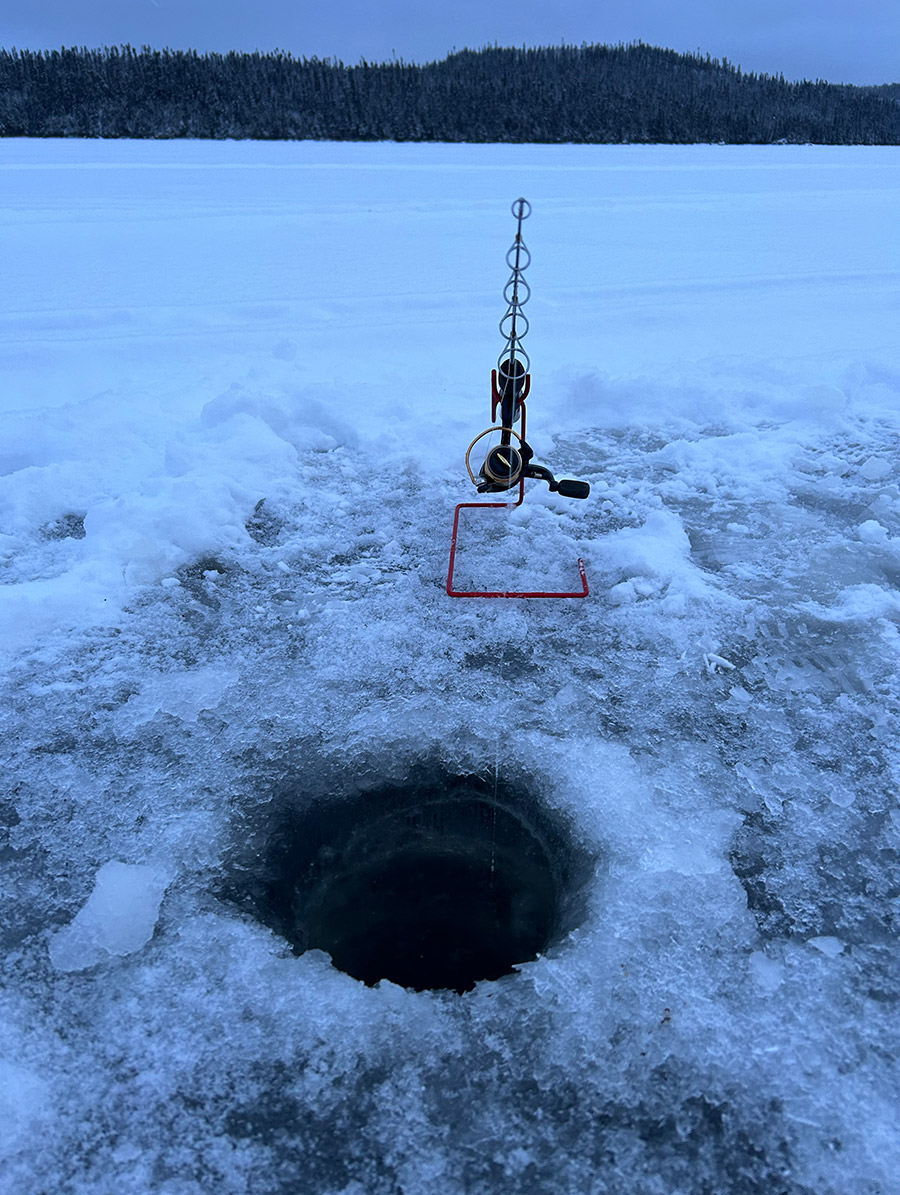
(582, 94)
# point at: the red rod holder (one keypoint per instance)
(500, 593)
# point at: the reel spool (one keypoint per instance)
(503, 465)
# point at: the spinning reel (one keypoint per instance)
(506, 464)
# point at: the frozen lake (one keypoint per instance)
(238, 382)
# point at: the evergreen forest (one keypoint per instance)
(586, 94)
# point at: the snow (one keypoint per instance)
(23, 1098)
(238, 385)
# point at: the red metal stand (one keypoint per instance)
(500, 593)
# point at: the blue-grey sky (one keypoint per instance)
(844, 41)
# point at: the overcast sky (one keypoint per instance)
(844, 41)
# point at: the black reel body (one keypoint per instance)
(504, 467)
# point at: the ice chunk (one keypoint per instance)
(872, 532)
(831, 947)
(874, 468)
(119, 916)
(768, 972)
(621, 594)
(182, 694)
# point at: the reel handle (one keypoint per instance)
(569, 488)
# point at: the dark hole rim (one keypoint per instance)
(308, 854)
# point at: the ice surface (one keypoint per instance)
(238, 383)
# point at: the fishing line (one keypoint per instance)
(512, 364)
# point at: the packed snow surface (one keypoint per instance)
(238, 381)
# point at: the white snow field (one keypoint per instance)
(237, 384)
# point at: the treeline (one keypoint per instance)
(586, 94)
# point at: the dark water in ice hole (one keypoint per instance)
(435, 883)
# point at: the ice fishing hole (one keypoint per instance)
(434, 884)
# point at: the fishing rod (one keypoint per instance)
(508, 464)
